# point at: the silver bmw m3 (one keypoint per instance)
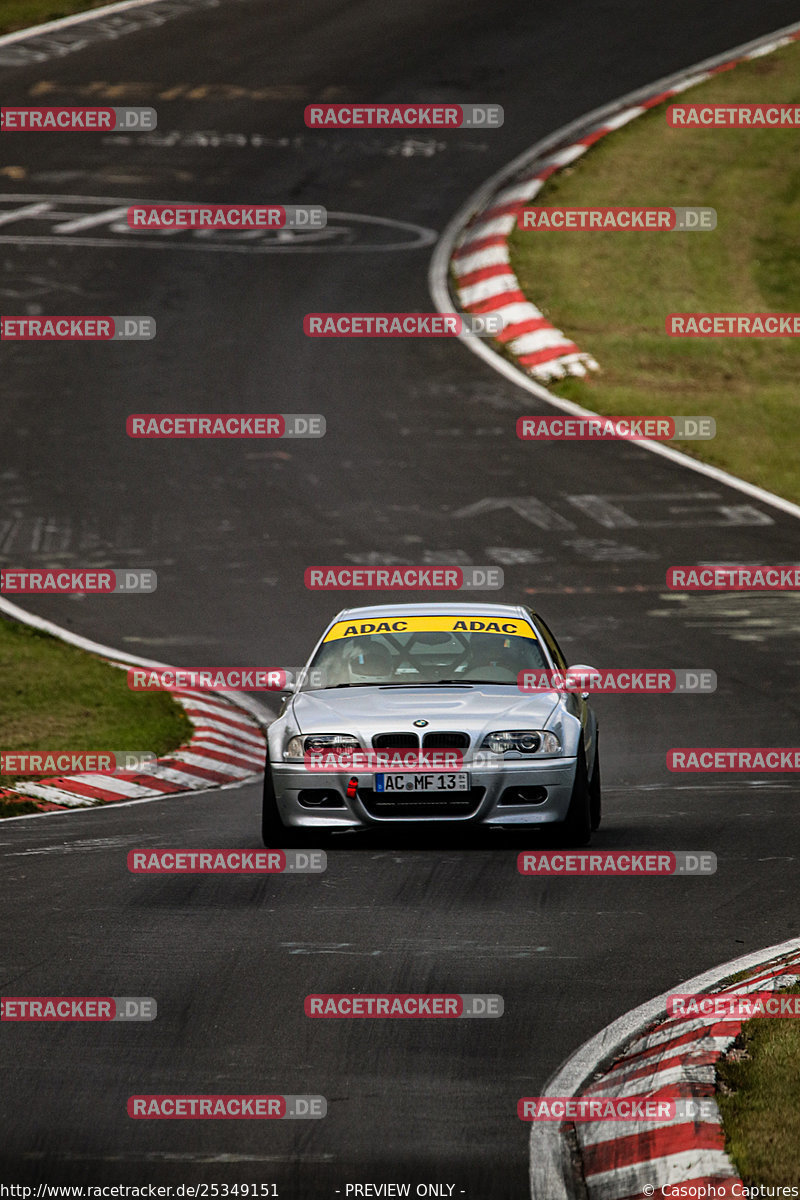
(414, 714)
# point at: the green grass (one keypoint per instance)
(19, 14)
(56, 697)
(757, 1094)
(610, 292)
(14, 808)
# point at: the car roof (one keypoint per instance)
(432, 610)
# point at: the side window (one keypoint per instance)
(552, 644)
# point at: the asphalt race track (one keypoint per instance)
(420, 464)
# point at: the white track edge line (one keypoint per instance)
(546, 1147)
(259, 712)
(438, 273)
(20, 35)
(102, 806)
(547, 1180)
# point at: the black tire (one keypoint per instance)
(595, 787)
(271, 823)
(276, 835)
(576, 829)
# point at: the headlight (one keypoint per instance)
(297, 747)
(522, 741)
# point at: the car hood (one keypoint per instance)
(476, 710)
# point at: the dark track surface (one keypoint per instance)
(418, 432)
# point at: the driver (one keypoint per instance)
(492, 657)
(373, 662)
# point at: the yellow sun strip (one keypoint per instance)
(454, 624)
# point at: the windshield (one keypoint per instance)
(424, 655)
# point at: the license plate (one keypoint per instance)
(407, 781)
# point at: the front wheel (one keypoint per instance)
(576, 829)
(595, 791)
(276, 835)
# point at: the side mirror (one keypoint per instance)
(579, 678)
(285, 695)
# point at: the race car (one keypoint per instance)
(412, 714)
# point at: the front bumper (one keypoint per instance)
(554, 775)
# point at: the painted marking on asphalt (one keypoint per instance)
(454, 557)
(79, 845)
(209, 1156)
(528, 507)
(203, 139)
(58, 38)
(514, 556)
(607, 550)
(106, 217)
(30, 287)
(27, 211)
(55, 221)
(329, 948)
(684, 509)
(213, 139)
(148, 89)
(601, 510)
(741, 616)
(612, 511)
(374, 558)
(595, 591)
